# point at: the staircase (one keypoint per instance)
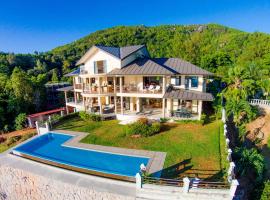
(156, 192)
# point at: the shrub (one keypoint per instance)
(164, 120)
(266, 191)
(143, 128)
(20, 121)
(84, 116)
(154, 128)
(93, 117)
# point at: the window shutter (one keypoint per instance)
(95, 67)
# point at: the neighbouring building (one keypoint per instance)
(126, 81)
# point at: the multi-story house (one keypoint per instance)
(126, 81)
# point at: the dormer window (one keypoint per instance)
(100, 67)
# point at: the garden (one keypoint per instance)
(192, 148)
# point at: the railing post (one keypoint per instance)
(223, 115)
(138, 181)
(233, 187)
(37, 127)
(47, 126)
(229, 157)
(227, 143)
(186, 184)
(231, 171)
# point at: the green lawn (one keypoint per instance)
(199, 147)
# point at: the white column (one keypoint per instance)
(115, 104)
(138, 104)
(100, 105)
(66, 101)
(233, 187)
(99, 85)
(163, 84)
(121, 84)
(75, 97)
(186, 184)
(107, 100)
(169, 106)
(138, 181)
(131, 104)
(182, 82)
(37, 127)
(122, 105)
(199, 109)
(114, 84)
(163, 108)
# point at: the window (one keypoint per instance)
(100, 67)
(176, 80)
(191, 82)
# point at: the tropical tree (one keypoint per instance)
(249, 163)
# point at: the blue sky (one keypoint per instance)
(29, 25)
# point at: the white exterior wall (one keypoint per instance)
(112, 62)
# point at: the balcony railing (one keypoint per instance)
(87, 88)
(78, 86)
(152, 89)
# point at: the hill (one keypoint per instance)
(213, 47)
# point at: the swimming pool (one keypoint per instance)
(49, 148)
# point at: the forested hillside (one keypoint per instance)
(213, 47)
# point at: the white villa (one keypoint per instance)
(126, 81)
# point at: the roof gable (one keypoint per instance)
(118, 52)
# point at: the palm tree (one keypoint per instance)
(249, 162)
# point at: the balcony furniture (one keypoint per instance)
(151, 88)
(157, 89)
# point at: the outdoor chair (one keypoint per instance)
(157, 89)
(151, 88)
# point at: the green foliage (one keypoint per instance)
(20, 121)
(55, 76)
(89, 116)
(249, 163)
(266, 191)
(143, 127)
(213, 47)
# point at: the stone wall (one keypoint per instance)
(16, 184)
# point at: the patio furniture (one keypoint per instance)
(151, 88)
(157, 89)
(184, 113)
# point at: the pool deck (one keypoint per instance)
(154, 166)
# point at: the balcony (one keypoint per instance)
(152, 89)
(94, 89)
(78, 86)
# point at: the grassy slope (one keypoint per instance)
(199, 143)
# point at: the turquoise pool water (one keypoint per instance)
(49, 147)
